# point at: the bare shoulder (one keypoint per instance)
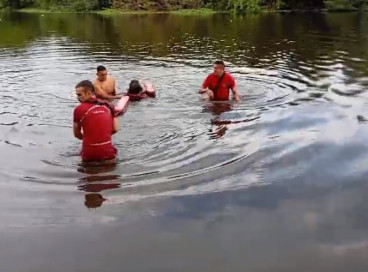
(96, 83)
(111, 78)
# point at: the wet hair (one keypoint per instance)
(135, 87)
(86, 85)
(220, 62)
(101, 68)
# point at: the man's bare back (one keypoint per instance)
(104, 84)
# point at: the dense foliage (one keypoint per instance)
(235, 5)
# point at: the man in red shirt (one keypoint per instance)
(94, 123)
(218, 84)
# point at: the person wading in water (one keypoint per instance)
(218, 84)
(94, 123)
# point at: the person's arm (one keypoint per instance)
(115, 88)
(205, 86)
(101, 93)
(206, 89)
(77, 130)
(115, 85)
(117, 95)
(149, 90)
(115, 127)
(120, 95)
(203, 90)
(234, 90)
(235, 94)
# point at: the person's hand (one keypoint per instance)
(203, 90)
(210, 94)
(236, 98)
(118, 96)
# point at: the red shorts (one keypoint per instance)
(98, 153)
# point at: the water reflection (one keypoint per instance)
(217, 108)
(96, 181)
(93, 201)
(97, 167)
(238, 40)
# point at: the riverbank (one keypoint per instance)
(113, 12)
(200, 11)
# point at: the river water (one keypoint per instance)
(283, 188)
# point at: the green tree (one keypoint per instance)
(242, 6)
(16, 4)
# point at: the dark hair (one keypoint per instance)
(101, 68)
(87, 85)
(134, 87)
(220, 62)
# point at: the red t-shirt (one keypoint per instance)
(97, 125)
(227, 83)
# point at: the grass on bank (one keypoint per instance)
(39, 10)
(113, 12)
(202, 11)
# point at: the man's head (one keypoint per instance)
(219, 67)
(101, 73)
(135, 87)
(84, 90)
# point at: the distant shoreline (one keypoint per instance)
(201, 11)
(113, 12)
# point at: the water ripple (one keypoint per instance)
(177, 143)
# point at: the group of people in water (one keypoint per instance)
(95, 120)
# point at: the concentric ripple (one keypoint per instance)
(291, 98)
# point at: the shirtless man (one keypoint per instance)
(104, 84)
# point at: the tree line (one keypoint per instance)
(163, 5)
